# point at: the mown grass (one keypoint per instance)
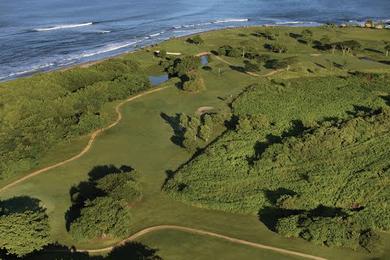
(201, 247)
(142, 140)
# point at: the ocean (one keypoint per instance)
(49, 34)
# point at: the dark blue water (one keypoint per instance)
(37, 35)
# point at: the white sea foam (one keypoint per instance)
(240, 20)
(29, 70)
(107, 48)
(295, 23)
(62, 26)
(155, 34)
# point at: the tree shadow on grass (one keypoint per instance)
(373, 50)
(19, 205)
(270, 215)
(237, 68)
(87, 190)
(130, 250)
(174, 122)
(274, 195)
(359, 110)
(386, 99)
(58, 251)
(386, 62)
(133, 250)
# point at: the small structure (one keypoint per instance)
(379, 26)
(168, 53)
(369, 24)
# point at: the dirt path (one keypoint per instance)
(90, 142)
(99, 131)
(204, 233)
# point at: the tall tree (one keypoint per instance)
(24, 226)
(102, 217)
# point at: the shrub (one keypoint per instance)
(193, 82)
(197, 40)
(102, 217)
(24, 226)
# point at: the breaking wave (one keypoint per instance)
(240, 20)
(62, 26)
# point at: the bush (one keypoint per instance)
(197, 40)
(276, 47)
(24, 226)
(100, 218)
(230, 51)
(179, 67)
(193, 82)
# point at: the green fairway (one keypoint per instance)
(200, 247)
(142, 140)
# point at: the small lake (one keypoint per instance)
(158, 79)
(204, 60)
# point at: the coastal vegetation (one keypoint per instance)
(275, 166)
(272, 147)
(45, 110)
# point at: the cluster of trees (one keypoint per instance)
(276, 162)
(24, 226)
(305, 37)
(255, 60)
(325, 43)
(39, 112)
(267, 34)
(327, 229)
(278, 64)
(179, 67)
(247, 123)
(229, 51)
(101, 205)
(193, 82)
(346, 47)
(276, 47)
(187, 69)
(197, 40)
(193, 132)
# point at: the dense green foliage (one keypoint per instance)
(180, 67)
(195, 40)
(102, 217)
(24, 226)
(267, 114)
(198, 131)
(40, 112)
(193, 82)
(285, 161)
(101, 205)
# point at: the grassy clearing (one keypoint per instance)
(190, 245)
(142, 141)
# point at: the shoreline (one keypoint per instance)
(87, 64)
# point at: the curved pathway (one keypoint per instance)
(204, 233)
(90, 142)
(99, 131)
(160, 227)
